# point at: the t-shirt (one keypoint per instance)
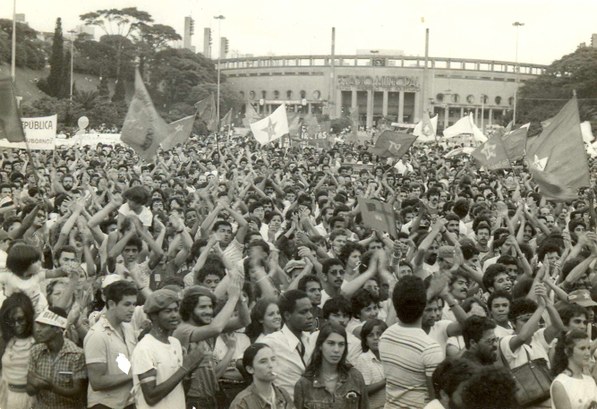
(409, 356)
(31, 287)
(536, 349)
(166, 359)
(439, 333)
(145, 216)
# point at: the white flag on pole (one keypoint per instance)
(272, 127)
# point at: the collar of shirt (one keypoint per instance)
(68, 347)
(263, 404)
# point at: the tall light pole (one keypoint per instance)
(72, 60)
(483, 96)
(517, 25)
(219, 18)
(13, 59)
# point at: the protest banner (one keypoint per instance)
(40, 133)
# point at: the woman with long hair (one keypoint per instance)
(259, 361)
(16, 323)
(265, 319)
(572, 389)
(328, 380)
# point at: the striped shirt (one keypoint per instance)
(409, 356)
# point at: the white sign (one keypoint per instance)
(40, 133)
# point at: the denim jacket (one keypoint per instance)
(351, 393)
(250, 399)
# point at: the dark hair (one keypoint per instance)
(118, 290)
(137, 194)
(474, 327)
(251, 353)
(302, 284)
(367, 328)
(135, 241)
(334, 306)
(563, 350)
(460, 371)
(490, 388)
(467, 304)
(16, 300)
(569, 310)
(361, 299)
(348, 249)
(255, 328)
(219, 223)
(287, 301)
(20, 257)
(521, 306)
(409, 299)
(491, 273)
(188, 303)
(498, 294)
(313, 369)
(65, 249)
(329, 263)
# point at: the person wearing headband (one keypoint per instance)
(57, 366)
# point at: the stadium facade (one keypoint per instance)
(376, 86)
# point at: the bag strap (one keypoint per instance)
(501, 354)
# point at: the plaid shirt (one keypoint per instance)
(70, 360)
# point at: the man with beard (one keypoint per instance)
(158, 362)
(199, 331)
(432, 202)
(68, 182)
(480, 340)
(293, 345)
(109, 348)
(482, 235)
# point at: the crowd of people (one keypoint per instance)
(233, 275)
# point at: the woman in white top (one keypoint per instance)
(571, 389)
(369, 365)
(265, 319)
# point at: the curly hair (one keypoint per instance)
(563, 350)
(491, 388)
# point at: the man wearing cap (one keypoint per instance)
(56, 366)
(158, 363)
(109, 346)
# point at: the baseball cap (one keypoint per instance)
(582, 298)
(110, 279)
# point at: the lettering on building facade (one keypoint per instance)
(384, 82)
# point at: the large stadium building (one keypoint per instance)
(376, 86)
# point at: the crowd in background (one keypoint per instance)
(227, 274)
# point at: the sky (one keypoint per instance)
(479, 29)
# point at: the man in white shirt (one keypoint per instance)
(292, 344)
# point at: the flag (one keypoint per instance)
(294, 124)
(312, 125)
(272, 127)
(587, 132)
(467, 150)
(179, 132)
(227, 120)
(378, 215)
(426, 129)
(465, 125)
(250, 115)
(392, 144)
(206, 110)
(143, 129)
(515, 142)
(492, 154)
(557, 158)
(11, 127)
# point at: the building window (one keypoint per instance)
(470, 99)
(303, 94)
(317, 94)
(455, 98)
(511, 101)
(440, 97)
(289, 94)
(276, 94)
(251, 94)
(484, 98)
(263, 94)
(242, 94)
(498, 100)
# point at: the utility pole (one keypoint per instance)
(517, 25)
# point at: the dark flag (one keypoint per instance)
(206, 111)
(557, 158)
(492, 154)
(378, 215)
(515, 142)
(392, 144)
(11, 127)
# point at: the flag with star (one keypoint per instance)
(392, 144)
(11, 127)
(557, 158)
(378, 215)
(272, 127)
(143, 128)
(492, 154)
(426, 128)
(206, 110)
(180, 131)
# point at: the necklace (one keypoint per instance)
(329, 378)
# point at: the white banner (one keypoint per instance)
(91, 139)
(40, 133)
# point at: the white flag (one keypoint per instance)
(465, 125)
(426, 129)
(272, 127)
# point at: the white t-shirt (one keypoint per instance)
(146, 217)
(537, 348)
(166, 359)
(30, 287)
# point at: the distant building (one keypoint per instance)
(594, 41)
(189, 30)
(207, 42)
(20, 18)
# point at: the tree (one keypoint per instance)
(30, 51)
(54, 83)
(151, 39)
(542, 97)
